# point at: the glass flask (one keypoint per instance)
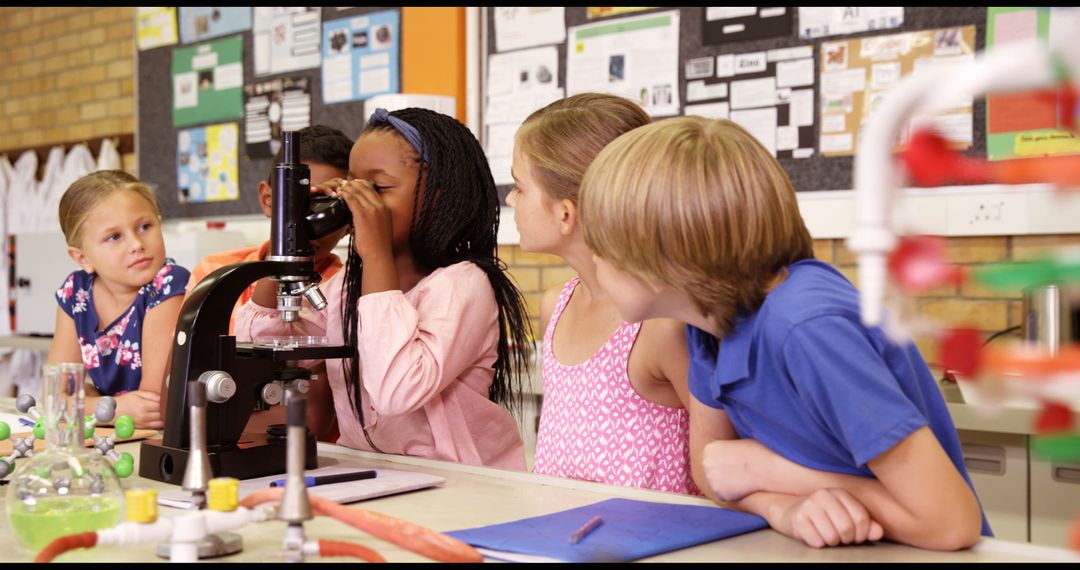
(67, 488)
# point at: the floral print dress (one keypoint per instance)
(112, 353)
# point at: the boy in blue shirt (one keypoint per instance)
(845, 436)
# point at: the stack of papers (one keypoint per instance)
(386, 482)
(630, 530)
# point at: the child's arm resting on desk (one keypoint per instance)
(919, 497)
(727, 469)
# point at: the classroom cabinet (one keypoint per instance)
(998, 466)
(1055, 500)
(1026, 497)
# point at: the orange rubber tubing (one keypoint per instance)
(413, 537)
(65, 543)
(338, 548)
(1030, 361)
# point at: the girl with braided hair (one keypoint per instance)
(424, 299)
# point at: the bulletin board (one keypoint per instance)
(157, 136)
(816, 172)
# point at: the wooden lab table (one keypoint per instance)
(475, 496)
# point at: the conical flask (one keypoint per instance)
(66, 488)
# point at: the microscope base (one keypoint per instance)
(212, 546)
(255, 455)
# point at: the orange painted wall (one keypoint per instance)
(433, 52)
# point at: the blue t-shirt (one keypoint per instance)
(806, 379)
(113, 354)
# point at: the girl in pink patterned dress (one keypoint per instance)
(614, 392)
(118, 312)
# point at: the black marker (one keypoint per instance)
(329, 479)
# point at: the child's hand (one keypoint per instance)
(372, 226)
(728, 467)
(827, 517)
(327, 187)
(142, 406)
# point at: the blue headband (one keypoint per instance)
(408, 131)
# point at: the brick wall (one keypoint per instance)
(969, 304)
(67, 76)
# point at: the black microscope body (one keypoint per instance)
(237, 373)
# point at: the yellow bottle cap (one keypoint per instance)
(223, 494)
(141, 505)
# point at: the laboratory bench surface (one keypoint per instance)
(32, 342)
(475, 496)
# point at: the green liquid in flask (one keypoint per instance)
(52, 517)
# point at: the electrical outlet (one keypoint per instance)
(983, 214)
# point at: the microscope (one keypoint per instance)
(240, 378)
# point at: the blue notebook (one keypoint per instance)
(630, 530)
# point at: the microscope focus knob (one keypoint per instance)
(220, 386)
(272, 393)
(300, 385)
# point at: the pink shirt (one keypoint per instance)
(594, 425)
(426, 360)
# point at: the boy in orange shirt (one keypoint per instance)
(325, 150)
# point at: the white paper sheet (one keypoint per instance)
(523, 71)
(286, 39)
(753, 93)
(884, 75)
(754, 62)
(833, 20)
(801, 113)
(519, 27)
(699, 67)
(518, 83)
(836, 143)
(843, 82)
(833, 123)
(761, 123)
(713, 13)
(709, 110)
(787, 138)
(699, 91)
(798, 52)
(725, 65)
(635, 57)
(386, 482)
(795, 73)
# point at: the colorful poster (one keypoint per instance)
(206, 168)
(856, 75)
(208, 82)
(837, 20)
(204, 22)
(286, 39)
(156, 27)
(636, 57)
(271, 107)
(360, 56)
(1027, 124)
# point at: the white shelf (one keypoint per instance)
(41, 343)
(985, 210)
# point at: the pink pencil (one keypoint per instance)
(586, 529)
